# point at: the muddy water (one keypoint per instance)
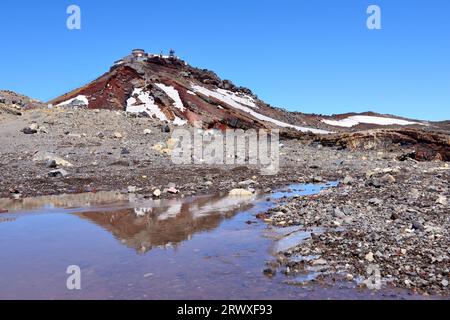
(208, 247)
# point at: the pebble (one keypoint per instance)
(441, 200)
(43, 130)
(369, 257)
(132, 189)
(269, 272)
(16, 196)
(347, 180)
(51, 163)
(49, 156)
(387, 179)
(338, 213)
(376, 201)
(29, 131)
(60, 173)
(165, 128)
(157, 193)
(172, 190)
(319, 262)
(417, 226)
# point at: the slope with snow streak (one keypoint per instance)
(355, 120)
(242, 99)
(148, 106)
(229, 98)
(173, 94)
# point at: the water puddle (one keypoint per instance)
(210, 247)
(292, 239)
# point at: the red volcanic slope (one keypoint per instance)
(157, 84)
(171, 90)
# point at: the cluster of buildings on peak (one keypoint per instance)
(141, 55)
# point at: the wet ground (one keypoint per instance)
(208, 247)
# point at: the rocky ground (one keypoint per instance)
(112, 150)
(389, 216)
(388, 213)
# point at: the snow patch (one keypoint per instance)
(173, 94)
(82, 98)
(179, 122)
(230, 98)
(355, 120)
(243, 99)
(226, 96)
(149, 106)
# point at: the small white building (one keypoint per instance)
(138, 53)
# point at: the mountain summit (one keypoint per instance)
(168, 88)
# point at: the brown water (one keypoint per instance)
(208, 247)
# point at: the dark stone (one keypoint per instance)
(394, 216)
(29, 131)
(417, 226)
(269, 272)
(165, 128)
(51, 164)
(58, 173)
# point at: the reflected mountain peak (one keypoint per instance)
(166, 223)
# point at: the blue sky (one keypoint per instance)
(314, 56)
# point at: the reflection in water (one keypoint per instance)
(218, 254)
(63, 201)
(166, 223)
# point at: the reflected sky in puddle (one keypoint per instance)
(209, 247)
(291, 240)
